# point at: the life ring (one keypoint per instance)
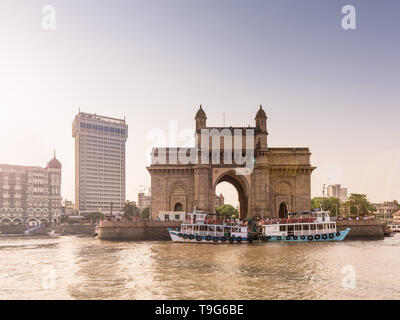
(215, 239)
(302, 237)
(239, 239)
(191, 237)
(185, 236)
(324, 236)
(317, 237)
(338, 234)
(268, 237)
(331, 235)
(223, 239)
(208, 238)
(294, 237)
(262, 238)
(279, 238)
(310, 238)
(198, 238)
(180, 235)
(231, 239)
(287, 237)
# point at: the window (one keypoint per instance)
(177, 217)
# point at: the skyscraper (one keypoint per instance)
(99, 163)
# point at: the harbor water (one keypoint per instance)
(73, 267)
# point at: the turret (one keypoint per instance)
(261, 132)
(200, 119)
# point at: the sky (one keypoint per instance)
(333, 90)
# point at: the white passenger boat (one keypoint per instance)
(199, 227)
(394, 227)
(302, 227)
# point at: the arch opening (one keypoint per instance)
(241, 189)
(283, 210)
(178, 206)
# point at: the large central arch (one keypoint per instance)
(241, 187)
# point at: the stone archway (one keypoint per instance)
(178, 206)
(283, 210)
(241, 187)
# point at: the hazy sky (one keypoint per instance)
(335, 91)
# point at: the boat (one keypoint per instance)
(303, 227)
(388, 232)
(199, 227)
(394, 227)
(52, 233)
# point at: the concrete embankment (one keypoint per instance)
(136, 231)
(362, 230)
(62, 230)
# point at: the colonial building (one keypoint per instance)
(99, 163)
(384, 211)
(219, 200)
(280, 180)
(30, 195)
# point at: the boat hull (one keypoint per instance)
(342, 235)
(203, 239)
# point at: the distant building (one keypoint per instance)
(219, 200)
(396, 217)
(99, 163)
(69, 209)
(144, 201)
(30, 195)
(337, 191)
(384, 211)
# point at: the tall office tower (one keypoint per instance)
(99, 163)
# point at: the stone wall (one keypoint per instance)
(362, 230)
(136, 231)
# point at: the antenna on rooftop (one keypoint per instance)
(224, 119)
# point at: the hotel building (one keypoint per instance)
(30, 195)
(99, 163)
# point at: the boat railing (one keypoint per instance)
(291, 220)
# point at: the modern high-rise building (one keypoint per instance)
(337, 191)
(144, 201)
(29, 194)
(100, 163)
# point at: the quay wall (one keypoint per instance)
(136, 231)
(362, 230)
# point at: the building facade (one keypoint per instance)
(219, 200)
(30, 195)
(384, 211)
(280, 181)
(144, 201)
(100, 163)
(337, 191)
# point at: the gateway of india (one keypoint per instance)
(280, 181)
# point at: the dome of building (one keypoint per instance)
(200, 113)
(54, 163)
(261, 113)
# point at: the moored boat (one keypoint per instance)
(303, 227)
(199, 227)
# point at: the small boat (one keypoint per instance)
(303, 227)
(52, 233)
(200, 227)
(388, 232)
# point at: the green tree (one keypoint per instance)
(227, 211)
(131, 210)
(331, 204)
(95, 216)
(146, 213)
(359, 205)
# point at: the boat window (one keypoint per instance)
(291, 228)
(305, 227)
(282, 228)
(312, 227)
(320, 226)
(298, 227)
